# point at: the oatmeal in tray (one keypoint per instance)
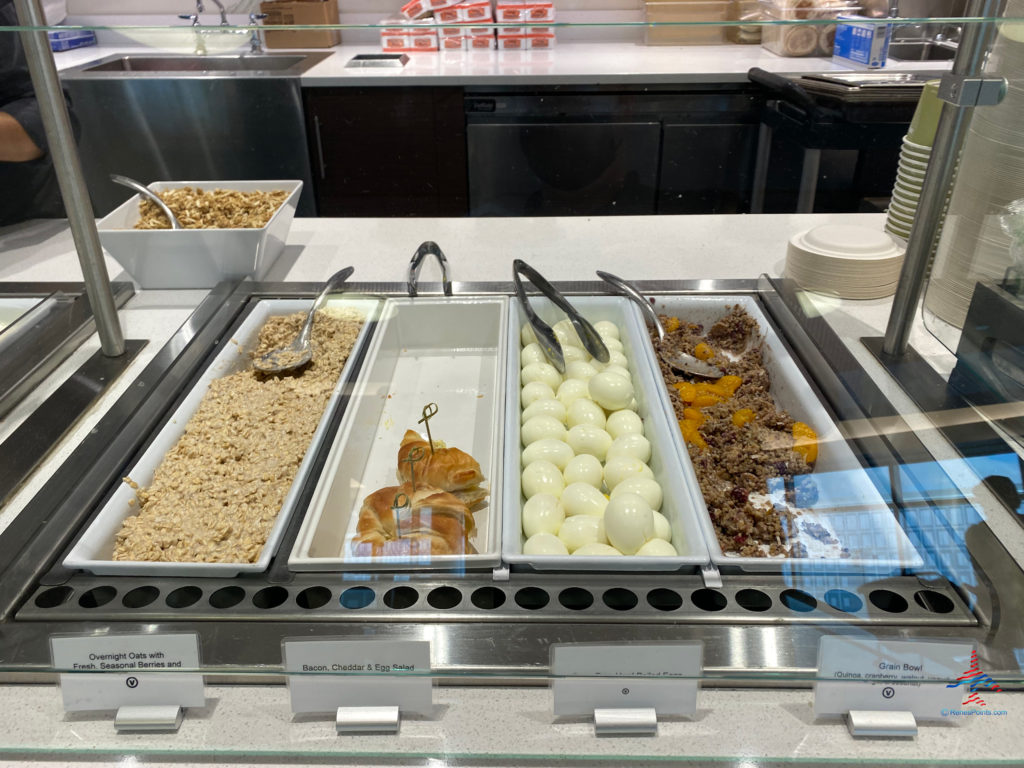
(736, 437)
(216, 494)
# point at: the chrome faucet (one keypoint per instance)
(220, 5)
(256, 42)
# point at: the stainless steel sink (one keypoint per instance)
(234, 65)
(921, 50)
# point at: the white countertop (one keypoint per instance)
(254, 722)
(578, 63)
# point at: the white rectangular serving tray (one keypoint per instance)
(93, 550)
(445, 351)
(848, 505)
(687, 536)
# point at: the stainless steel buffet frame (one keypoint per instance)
(756, 629)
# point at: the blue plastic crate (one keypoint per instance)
(65, 40)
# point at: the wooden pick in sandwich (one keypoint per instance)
(429, 411)
(414, 455)
(400, 503)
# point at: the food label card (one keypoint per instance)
(862, 673)
(324, 675)
(631, 676)
(103, 672)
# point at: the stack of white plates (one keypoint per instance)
(847, 261)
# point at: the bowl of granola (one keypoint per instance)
(230, 230)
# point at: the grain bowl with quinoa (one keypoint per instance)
(212, 493)
(776, 481)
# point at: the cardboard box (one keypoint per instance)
(861, 41)
(301, 12)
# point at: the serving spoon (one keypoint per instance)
(300, 351)
(678, 360)
(145, 191)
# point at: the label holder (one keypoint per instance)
(881, 724)
(349, 720)
(633, 721)
(159, 717)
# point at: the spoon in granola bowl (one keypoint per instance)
(678, 360)
(146, 192)
(300, 351)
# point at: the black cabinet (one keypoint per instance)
(707, 167)
(387, 151)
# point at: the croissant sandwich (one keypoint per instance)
(434, 523)
(449, 469)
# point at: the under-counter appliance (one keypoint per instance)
(597, 152)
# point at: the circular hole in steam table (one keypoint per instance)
(271, 597)
(355, 598)
(575, 599)
(53, 597)
(844, 601)
(935, 602)
(183, 597)
(709, 600)
(532, 598)
(401, 598)
(96, 597)
(619, 599)
(887, 600)
(664, 599)
(798, 600)
(227, 597)
(444, 598)
(753, 600)
(488, 598)
(313, 597)
(140, 597)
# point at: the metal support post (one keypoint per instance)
(949, 141)
(62, 149)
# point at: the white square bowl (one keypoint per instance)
(198, 258)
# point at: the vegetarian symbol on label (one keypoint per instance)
(429, 412)
(132, 682)
(888, 692)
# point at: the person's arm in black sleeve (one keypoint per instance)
(21, 132)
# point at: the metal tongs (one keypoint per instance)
(545, 336)
(678, 360)
(428, 248)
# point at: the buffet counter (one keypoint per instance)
(242, 722)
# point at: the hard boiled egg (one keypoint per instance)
(579, 370)
(579, 531)
(597, 549)
(637, 446)
(644, 487)
(544, 544)
(657, 548)
(542, 477)
(610, 391)
(583, 499)
(546, 406)
(534, 391)
(585, 411)
(571, 390)
(619, 468)
(575, 355)
(541, 428)
(543, 513)
(628, 523)
(623, 423)
(662, 529)
(565, 331)
(584, 438)
(584, 469)
(556, 451)
(532, 353)
(607, 329)
(544, 372)
(527, 336)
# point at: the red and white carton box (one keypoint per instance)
(513, 42)
(539, 30)
(453, 43)
(539, 10)
(476, 10)
(484, 42)
(449, 15)
(510, 11)
(408, 36)
(541, 41)
(414, 9)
